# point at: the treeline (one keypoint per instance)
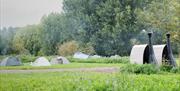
(103, 27)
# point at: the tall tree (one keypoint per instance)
(56, 30)
(164, 16)
(108, 25)
(28, 40)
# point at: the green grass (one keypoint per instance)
(88, 81)
(71, 65)
(100, 60)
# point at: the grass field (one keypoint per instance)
(88, 81)
(71, 65)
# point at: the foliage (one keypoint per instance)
(140, 69)
(171, 69)
(68, 48)
(103, 27)
(101, 60)
(88, 81)
(106, 24)
(6, 37)
(86, 48)
(162, 15)
(166, 68)
(27, 40)
(55, 31)
(175, 70)
(27, 58)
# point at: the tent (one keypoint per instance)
(80, 55)
(161, 53)
(59, 60)
(41, 61)
(115, 57)
(139, 54)
(95, 56)
(10, 61)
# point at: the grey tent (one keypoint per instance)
(10, 61)
(59, 60)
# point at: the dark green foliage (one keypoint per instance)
(101, 60)
(27, 58)
(175, 70)
(57, 29)
(108, 25)
(140, 69)
(166, 68)
(6, 37)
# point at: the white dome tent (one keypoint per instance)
(80, 55)
(41, 61)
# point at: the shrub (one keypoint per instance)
(27, 58)
(68, 48)
(87, 48)
(100, 60)
(175, 70)
(140, 69)
(166, 68)
(169, 68)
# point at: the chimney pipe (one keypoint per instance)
(152, 58)
(170, 54)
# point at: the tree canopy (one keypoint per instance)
(104, 27)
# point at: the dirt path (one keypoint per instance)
(96, 69)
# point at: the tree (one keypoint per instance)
(28, 40)
(162, 15)
(6, 37)
(56, 30)
(108, 25)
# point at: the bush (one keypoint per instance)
(87, 48)
(140, 69)
(27, 58)
(100, 60)
(175, 70)
(166, 68)
(68, 48)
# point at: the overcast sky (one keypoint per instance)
(18, 13)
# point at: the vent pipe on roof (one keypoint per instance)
(152, 58)
(170, 54)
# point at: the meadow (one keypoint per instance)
(133, 78)
(72, 65)
(89, 81)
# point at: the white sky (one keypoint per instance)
(18, 13)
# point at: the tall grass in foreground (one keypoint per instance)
(88, 81)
